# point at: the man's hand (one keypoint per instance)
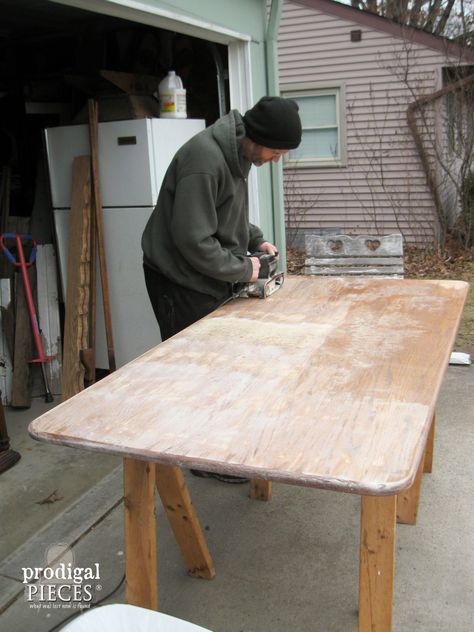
(269, 248)
(255, 268)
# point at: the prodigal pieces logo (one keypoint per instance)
(59, 583)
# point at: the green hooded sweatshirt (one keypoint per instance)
(199, 232)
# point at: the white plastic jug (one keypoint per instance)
(172, 96)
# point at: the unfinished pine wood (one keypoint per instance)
(184, 521)
(260, 489)
(408, 500)
(429, 450)
(330, 382)
(76, 320)
(140, 534)
(377, 559)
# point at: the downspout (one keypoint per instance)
(276, 171)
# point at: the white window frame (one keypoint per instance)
(316, 90)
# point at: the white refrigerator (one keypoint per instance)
(133, 158)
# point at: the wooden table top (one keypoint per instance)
(330, 382)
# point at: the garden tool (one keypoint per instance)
(23, 265)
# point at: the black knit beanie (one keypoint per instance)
(274, 122)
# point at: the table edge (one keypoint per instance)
(276, 476)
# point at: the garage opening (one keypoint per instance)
(53, 59)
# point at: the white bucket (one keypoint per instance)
(172, 96)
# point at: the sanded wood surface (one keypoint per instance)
(329, 383)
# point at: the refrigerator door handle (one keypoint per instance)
(127, 140)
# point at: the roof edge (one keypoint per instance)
(387, 25)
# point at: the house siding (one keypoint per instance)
(382, 187)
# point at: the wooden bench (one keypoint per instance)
(342, 255)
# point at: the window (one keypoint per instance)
(322, 121)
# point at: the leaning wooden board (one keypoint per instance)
(329, 383)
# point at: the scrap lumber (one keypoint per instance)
(48, 313)
(76, 320)
(132, 83)
(6, 340)
(99, 229)
(88, 355)
(23, 344)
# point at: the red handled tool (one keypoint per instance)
(23, 265)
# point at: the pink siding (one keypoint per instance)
(382, 187)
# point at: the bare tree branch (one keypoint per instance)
(433, 15)
(441, 26)
(372, 6)
(415, 13)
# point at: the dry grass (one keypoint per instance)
(454, 264)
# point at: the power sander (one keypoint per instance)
(268, 282)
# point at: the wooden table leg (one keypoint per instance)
(428, 466)
(183, 519)
(140, 534)
(408, 500)
(260, 489)
(377, 558)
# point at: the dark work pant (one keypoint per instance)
(176, 307)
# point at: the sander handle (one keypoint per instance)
(266, 262)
